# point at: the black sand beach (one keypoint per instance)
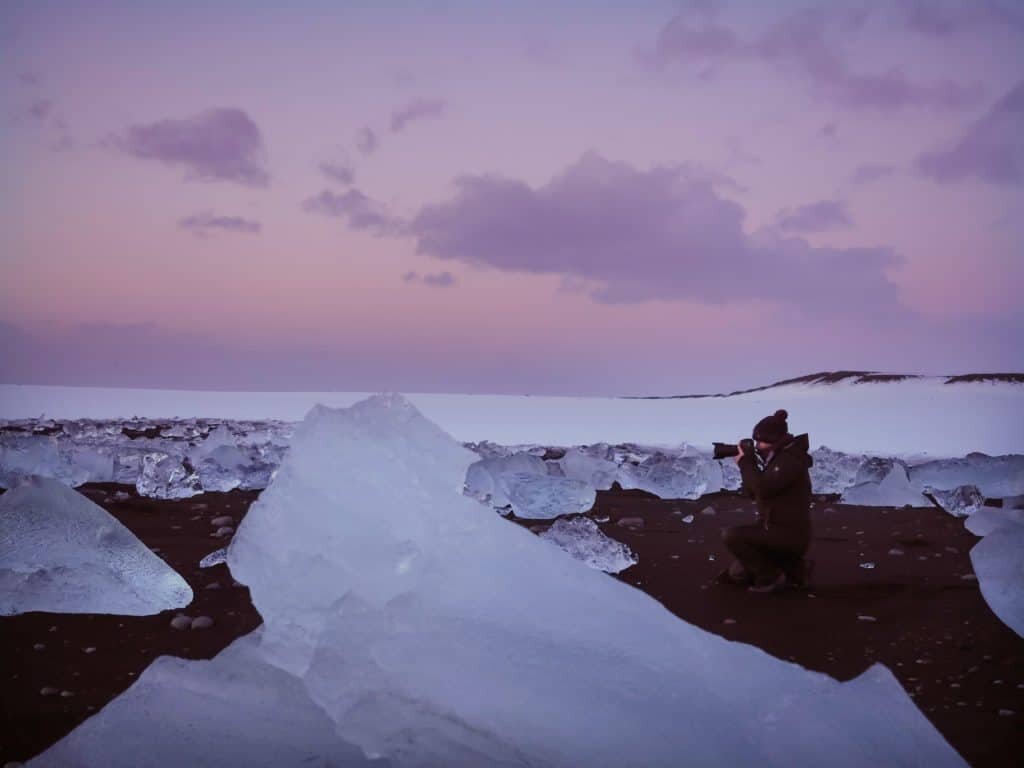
(918, 611)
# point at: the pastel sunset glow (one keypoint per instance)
(569, 198)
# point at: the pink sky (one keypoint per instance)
(556, 198)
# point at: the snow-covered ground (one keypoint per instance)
(913, 418)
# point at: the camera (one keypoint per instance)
(727, 450)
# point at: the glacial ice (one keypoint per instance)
(988, 519)
(434, 633)
(166, 477)
(594, 465)
(673, 477)
(581, 538)
(961, 501)
(998, 561)
(883, 483)
(833, 471)
(995, 476)
(60, 552)
(234, 710)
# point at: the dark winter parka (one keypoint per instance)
(782, 489)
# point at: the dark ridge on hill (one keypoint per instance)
(858, 377)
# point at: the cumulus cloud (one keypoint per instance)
(342, 174)
(439, 280)
(816, 217)
(805, 42)
(206, 223)
(417, 110)
(991, 149)
(215, 145)
(638, 235)
(868, 172)
(367, 141)
(360, 212)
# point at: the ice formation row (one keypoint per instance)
(405, 625)
(185, 458)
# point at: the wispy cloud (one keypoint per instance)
(204, 224)
(367, 141)
(816, 217)
(807, 43)
(337, 172)
(438, 280)
(991, 149)
(357, 210)
(417, 110)
(216, 145)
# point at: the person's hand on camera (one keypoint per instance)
(739, 447)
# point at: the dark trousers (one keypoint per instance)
(763, 553)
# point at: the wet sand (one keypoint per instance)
(920, 612)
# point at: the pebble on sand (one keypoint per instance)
(630, 522)
(181, 621)
(222, 521)
(48, 691)
(202, 622)
(708, 510)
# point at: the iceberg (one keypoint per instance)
(581, 538)
(998, 561)
(883, 483)
(673, 477)
(60, 552)
(432, 632)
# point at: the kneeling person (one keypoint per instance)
(770, 553)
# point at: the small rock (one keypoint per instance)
(213, 585)
(867, 566)
(895, 552)
(688, 519)
(66, 694)
(202, 622)
(728, 621)
(181, 621)
(224, 530)
(222, 520)
(601, 518)
(48, 691)
(90, 649)
(865, 617)
(38, 647)
(1006, 713)
(200, 507)
(708, 510)
(969, 577)
(630, 522)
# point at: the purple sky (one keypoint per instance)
(509, 197)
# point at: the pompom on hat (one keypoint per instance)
(771, 429)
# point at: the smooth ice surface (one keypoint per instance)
(234, 710)
(435, 633)
(60, 552)
(582, 539)
(673, 477)
(988, 519)
(490, 480)
(888, 486)
(998, 561)
(897, 418)
(594, 465)
(994, 476)
(214, 558)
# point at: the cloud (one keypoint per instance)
(639, 235)
(939, 19)
(359, 211)
(215, 145)
(367, 141)
(40, 109)
(805, 42)
(816, 217)
(440, 279)
(343, 174)
(991, 149)
(868, 172)
(203, 224)
(417, 110)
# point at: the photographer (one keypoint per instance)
(770, 553)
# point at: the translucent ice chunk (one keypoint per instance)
(581, 538)
(61, 552)
(165, 477)
(892, 490)
(961, 501)
(673, 477)
(994, 476)
(592, 467)
(998, 561)
(544, 496)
